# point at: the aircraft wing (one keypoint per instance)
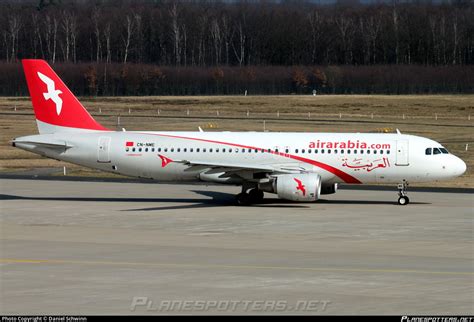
(235, 168)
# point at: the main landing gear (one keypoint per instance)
(402, 193)
(246, 198)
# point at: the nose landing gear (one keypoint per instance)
(403, 199)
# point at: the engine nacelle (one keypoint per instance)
(329, 189)
(298, 187)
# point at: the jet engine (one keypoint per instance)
(298, 187)
(329, 189)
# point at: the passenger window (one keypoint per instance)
(296, 150)
(185, 150)
(335, 151)
(133, 149)
(388, 151)
(436, 151)
(217, 149)
(191, 150)
(348, 151)
(381, 151)
(375, 151)
(243, 150)
(172, 150)
(329, 150)
(256, 151)
(342, 151)
(223, 149)
(361, 151)
(309, 151)
(179, 149)
(287, 151)
(322, 150)
(368, 151)
(204, 150)
(315, 150)
(139, 149)
(276, 150)
(210, 150)
(302, 151)
(146, 149)
(355, 151)
(152, 149)
(197, 149)
(126, 149)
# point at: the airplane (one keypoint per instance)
(295, 166)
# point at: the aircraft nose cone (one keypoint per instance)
(459, 167)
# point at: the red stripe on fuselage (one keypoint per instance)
(341, 174)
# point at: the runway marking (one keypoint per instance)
(315, 269)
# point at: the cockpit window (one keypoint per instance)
(436, 151)
(428, 151)
(444, 150)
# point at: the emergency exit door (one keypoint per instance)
(103, 149)
(402, 153)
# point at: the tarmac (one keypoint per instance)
(80, 247)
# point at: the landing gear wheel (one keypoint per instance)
(402, 192)
(403, 200)
(242, 199)
(256, 195)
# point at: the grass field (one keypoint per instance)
(445, 118)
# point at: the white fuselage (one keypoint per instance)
(204, 156)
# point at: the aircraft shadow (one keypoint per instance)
(216, 199)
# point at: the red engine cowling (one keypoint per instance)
(298, 187)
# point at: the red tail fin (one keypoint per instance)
(56, 108)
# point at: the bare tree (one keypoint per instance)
(455, 38)
(345, 27)
(129, 30)
(73, 32)
(96, 17)
(14, 26)
(315, 23)
(217, 39)
(374, 25)
(396, 27)
(226, 36)
(185, 44)
(241, 39)
(66, 26)
(175, 34)
(202, 25)
(107, 35)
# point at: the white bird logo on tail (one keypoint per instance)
(52, 92)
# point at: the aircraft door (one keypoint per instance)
(402, 153)
(103, 149)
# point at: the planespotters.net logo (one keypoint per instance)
(437, 319)
(144, 303)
